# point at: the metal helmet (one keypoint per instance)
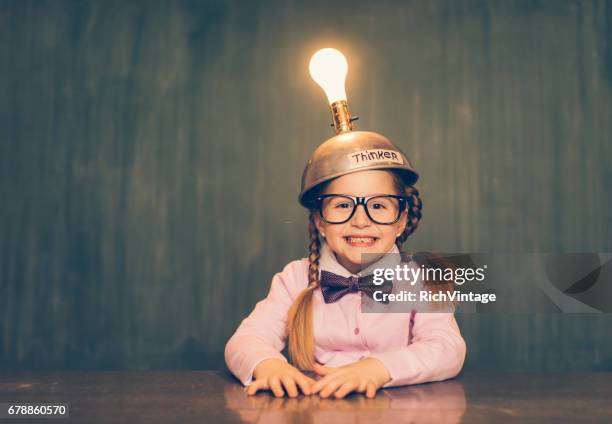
(349, 151)
(353, 151)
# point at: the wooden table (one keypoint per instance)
(216, 397)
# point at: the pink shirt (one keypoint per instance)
(414, 347)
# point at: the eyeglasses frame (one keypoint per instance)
(362, 201)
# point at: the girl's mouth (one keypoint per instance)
(360, 241)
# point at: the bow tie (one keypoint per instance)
(335, 286)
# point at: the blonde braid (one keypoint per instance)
(426, 259)
(414, 213)
(301, 344)
(314, 252)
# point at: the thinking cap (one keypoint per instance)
(348, 151)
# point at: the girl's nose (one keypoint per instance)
(360, 218)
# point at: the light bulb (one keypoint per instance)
(328, 67)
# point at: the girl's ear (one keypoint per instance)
(319, 224)
(403, 222)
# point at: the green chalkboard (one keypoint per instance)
(151, 155)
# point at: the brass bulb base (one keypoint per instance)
(341, 116)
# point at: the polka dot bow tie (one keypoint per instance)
(335, 286)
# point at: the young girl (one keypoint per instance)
(358, 189)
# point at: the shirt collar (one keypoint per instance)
(328, 261)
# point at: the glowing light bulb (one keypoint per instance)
(328, 67)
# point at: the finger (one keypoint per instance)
(331, 387)
(319, 384)
(256, 385)
(370, 390)
(307, 377)
(346, 388)
(275, 385)
(289, 386)
(322, 383)
(321, 369)
(305, 383)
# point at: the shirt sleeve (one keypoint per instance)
(262, 334)
(437, 352)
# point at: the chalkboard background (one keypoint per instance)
(151, 155)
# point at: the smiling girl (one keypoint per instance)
(350, 350)
(358, 189)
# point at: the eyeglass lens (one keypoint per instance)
(381, 209)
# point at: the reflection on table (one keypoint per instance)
(442, 402)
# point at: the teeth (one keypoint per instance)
(360, 239)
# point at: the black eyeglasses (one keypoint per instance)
(339, 208)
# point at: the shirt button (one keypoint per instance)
(356, 330)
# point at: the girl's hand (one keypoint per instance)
(274, 373)
(366, 375)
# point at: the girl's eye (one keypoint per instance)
(344, 205)
(378, 206)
